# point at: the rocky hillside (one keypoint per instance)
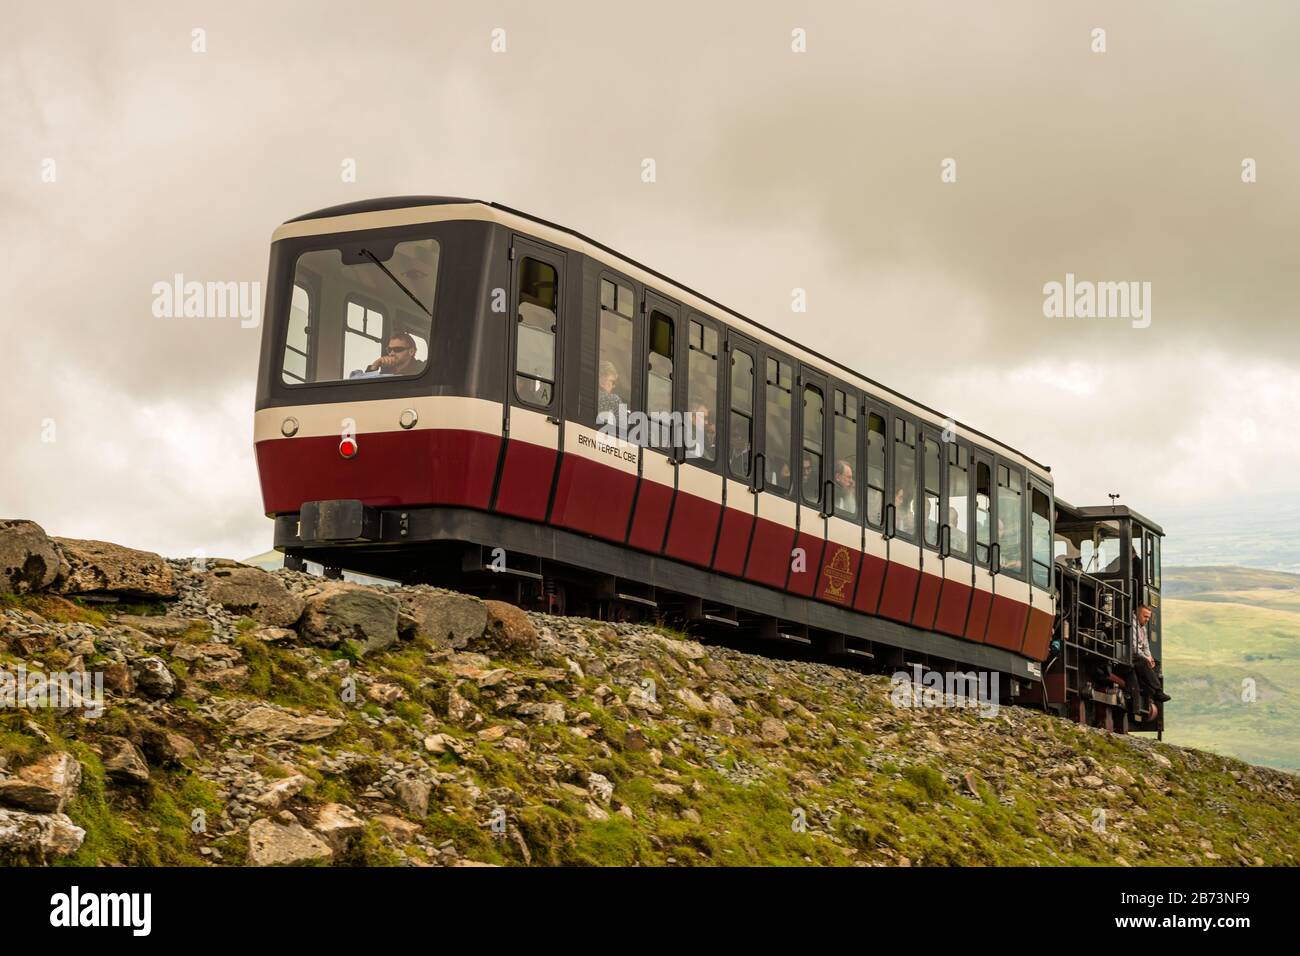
(254, 717)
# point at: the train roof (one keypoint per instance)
(390, 203)
(1101, 512)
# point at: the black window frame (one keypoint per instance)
(852, 400)
(897, 418)
(707, 322)
(808, 377)
(737, 342)
(999, 463)
(767, 354)
(604, 274)
(521, 248)
(871, 407)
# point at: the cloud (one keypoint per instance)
(776, 170)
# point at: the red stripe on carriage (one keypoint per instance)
(899, 592)
(981, 603)
(839, 572)
(1038, 636)
(694, 529)
(653, 503)
(927, 601)
(954, 602)
(424, 467)
(733, 542)
(526, 476)
(769, 554)
(867, 598)
(803, 582)
(1007, 623)
(593, 498)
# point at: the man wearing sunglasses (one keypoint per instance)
(399, 358)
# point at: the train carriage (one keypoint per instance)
(453, 390)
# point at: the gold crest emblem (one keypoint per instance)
(837, 574)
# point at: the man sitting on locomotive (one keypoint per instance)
(398, 359)
(1144, 665)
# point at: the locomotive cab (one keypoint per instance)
(1107, 564)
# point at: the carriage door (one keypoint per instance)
(955, 542)
(931, 521)
(741, 487)
(902, 525)
(811, 480)
(532, 425)
(658, 481)
(844, 483)
(981, 601)
(1042, 606)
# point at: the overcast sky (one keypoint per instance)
(775, 170)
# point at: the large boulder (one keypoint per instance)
(343, 611)
(276, 724)
(255, 593)
(278, 844)
(37, 836)
(29, 560)
(97, 567)
(123, 761)
(444, 617)
(44, 786)
(508, 629)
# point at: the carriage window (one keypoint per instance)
(360, 311)
(659, 383)
(702, 392)
(1156, 562)
(1040, 537)
(958, 516)
(614, 371)
(536, 324)
(811, 465)
(742, 412)
(776, 450)
(363, 336)
(983, 505)
(875, 469)
(932, 479)
(295, 342)
(845, 475)
(1148, 557)
(1010, 523)
(904, 478)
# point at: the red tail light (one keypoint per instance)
(348, 448)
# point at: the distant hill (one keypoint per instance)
(1224, 626)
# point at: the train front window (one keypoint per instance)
(361, 311)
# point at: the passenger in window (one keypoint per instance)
(704, 441)
(779, 474)
(811, 481)
(607, 399)
(1144, 664)
(846, 494)
(398, 359)
(740, 448)
(904, 512)
(875, 501)
(956, 536)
